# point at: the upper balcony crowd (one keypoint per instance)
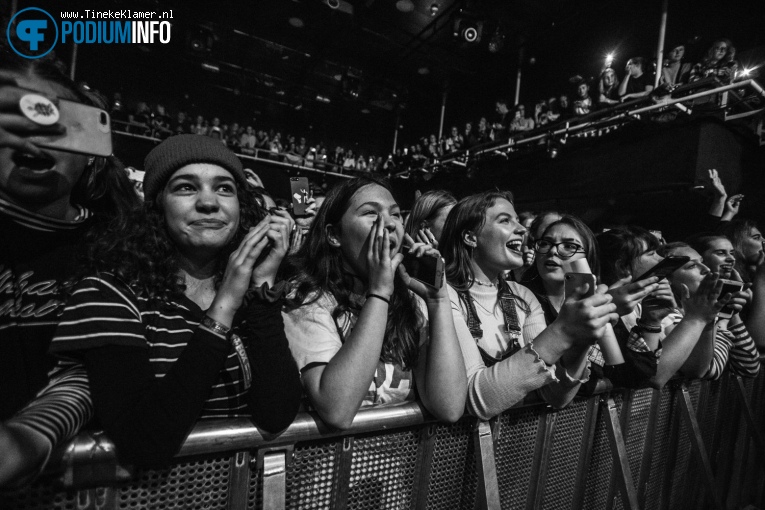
(580, 98)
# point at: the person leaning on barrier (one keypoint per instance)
(180, 316)
(629, 251)
(728, 341)
(624, 358)
(509, 351)
(363, 332)
(50, 201)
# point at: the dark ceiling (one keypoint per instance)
(348, 75)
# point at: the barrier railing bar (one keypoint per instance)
(697, 443)
(645, 464)
(749, 416)
(421, 484)
(487, 496)
(724, 472)
(674, 441)
(740, 450)
(240, 433)
(274, 480)
(692, 493)
(621, 463)
(542, 451)
(613, 485)
(602, 121)
(342, 478)
(585, 452)
(239, 481)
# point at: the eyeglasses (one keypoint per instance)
(565, 249)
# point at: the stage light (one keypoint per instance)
(609, 59)
(434, 9)
(468, 31)
(745, 72)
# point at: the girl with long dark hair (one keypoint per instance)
(509, 350)
(180, 317)
(363, 332)
(50, 202)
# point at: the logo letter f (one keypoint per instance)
(29, 31)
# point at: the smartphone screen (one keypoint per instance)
(300, 194)
(664, 268)
(426, 269)
(574, 282)
(729, 287)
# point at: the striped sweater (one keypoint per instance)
(734, 347)
(153, 371)
(38, 256)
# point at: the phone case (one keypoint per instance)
(729, 287)
(664, 268)
(88, 130)
(428, 270)
(574, 281)
(299, 190)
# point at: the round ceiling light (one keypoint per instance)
(405, 5)
(296, 22)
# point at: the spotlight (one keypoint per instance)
(434, 9)
(468, 31)
(609, 59)
(333, 4)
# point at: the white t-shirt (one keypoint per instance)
(315, 338)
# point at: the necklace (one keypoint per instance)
(485, 284)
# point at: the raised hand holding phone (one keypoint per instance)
(582, 284)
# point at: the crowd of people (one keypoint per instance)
(581, 98)
(207, 300)
(241, 138)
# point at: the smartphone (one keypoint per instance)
(88, 130)
(426, 269)
(664, 268)
(300, 195)
(572, 282)
(729, 287)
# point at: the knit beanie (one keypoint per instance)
(181, 150)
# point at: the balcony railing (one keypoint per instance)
(694, 444)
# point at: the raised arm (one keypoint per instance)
(338, 387)
(58, 412)
(440, 372)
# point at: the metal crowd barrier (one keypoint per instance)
(692, 445)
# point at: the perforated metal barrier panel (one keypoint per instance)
(544, 459)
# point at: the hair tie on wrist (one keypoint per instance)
(648, 328)
(378, 296)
